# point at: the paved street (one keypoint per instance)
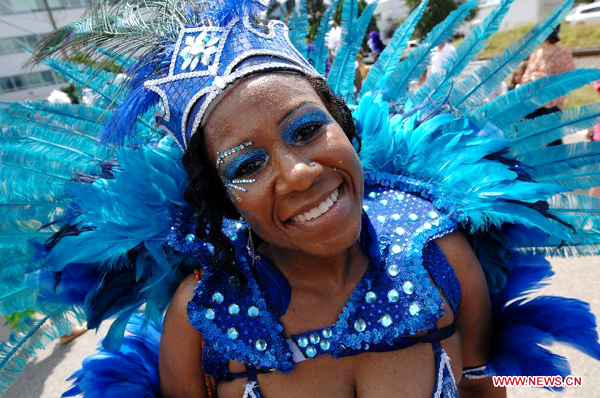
(46, 376)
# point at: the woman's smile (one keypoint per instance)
(319, 210)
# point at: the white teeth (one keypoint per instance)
(314, 213)
(322, 208)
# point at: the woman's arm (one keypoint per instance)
(180, 357)
(474, 318)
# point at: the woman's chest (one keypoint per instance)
(408, 372)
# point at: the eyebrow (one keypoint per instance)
(296, 109)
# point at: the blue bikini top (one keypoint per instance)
(394, 300)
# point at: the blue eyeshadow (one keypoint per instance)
(243, 158)
(306, 119)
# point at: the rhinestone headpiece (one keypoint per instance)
(207, 59)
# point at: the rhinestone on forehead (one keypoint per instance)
(206, 59)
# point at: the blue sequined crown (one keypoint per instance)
(207, 59)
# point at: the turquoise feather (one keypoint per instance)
(471, 92)
(91, 118)
(584, 177)
(20, 347)
(530, 134)
(341, 76)
(384, 67)
(299, 27)
(416, 62)
(438, 85)
(318, 58)
(558, 159)
(47, 158)
(510, 108)
(485, 193)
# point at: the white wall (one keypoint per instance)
(522, 12)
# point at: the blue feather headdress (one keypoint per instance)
(195, 50)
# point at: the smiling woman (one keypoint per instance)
(288, 236)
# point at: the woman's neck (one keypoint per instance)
(319, 273)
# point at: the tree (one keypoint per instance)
(436, 12)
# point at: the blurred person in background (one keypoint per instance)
(549, 59)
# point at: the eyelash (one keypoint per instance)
(239, 172)
(312, 129)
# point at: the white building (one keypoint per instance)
(522, 12)
(22, 23)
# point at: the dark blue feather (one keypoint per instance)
(132, 371)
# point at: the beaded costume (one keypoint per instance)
(95, 223)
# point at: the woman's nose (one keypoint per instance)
(297, 174)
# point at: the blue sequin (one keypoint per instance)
(360, 325)
(413, 217)
(233, 309)
(414, 309)
(232, 333)
(395, 217)
(210, 314)
(393, 296)
(217, 298)
(386, 321)
(189, 238)
(396, 249)
(253, 312)
(370, 297)
(381, 219)
(260, 345)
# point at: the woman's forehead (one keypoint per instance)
(256, 101)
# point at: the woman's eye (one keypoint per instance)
(306, 132)
(248, 168)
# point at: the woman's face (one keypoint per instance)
(308, 187)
